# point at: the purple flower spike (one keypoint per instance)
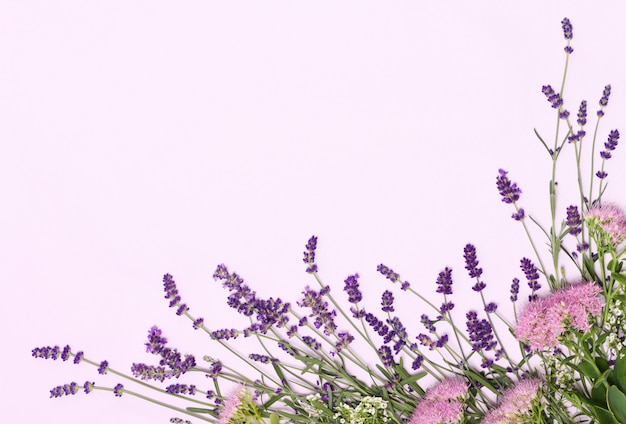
(573, 220)
(531, 273)
(553, 97)
(606, 93)
(118, 390)
(444, 281)
(519, 215)
(102, 369)
(509, 191)
(65, 390)
(582, 113)
(610, 144)
(385, 356)
(514, 289)
(387, 301)
(309, 255)
(471, 262)
(388, 272)
(352, 288)
(567, 29)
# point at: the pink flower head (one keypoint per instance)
(232, 406)
(516, 405)
(437, 412)
(544, 320)
(610, 219)
(448, 389)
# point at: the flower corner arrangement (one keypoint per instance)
(553, 351)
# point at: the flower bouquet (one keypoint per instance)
(553, 352)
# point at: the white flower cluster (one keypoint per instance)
(371, 410)
(615, 326)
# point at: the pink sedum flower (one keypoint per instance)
(437, 412)
(238, 408)
(443, 403)
(545, 320)
(448, 389)
(516, 405)
(610, 219)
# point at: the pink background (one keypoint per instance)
(144, 137)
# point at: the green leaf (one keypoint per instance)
(199, 410)
(621, 278)
(604, 416)
(616, 400)
(620, 371)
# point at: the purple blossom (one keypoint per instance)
(378, 326)
(428, 323)
(491, 307)
(88, 387)
(284, 345)
(65, 390)
(445, 307)
(102, 369)
(531, 273)
(567, 29)
(606, 93)
(444, 281)
(582, 113)
(46, 352)
(553, 97)
(519, 215)
(319, 309)
(388, 272)
(480, 332)
(343, 341)
(198, 323)
(417, 363)
(156, 343)
(610, 144)
(399, 331)
(149, 372)
(352, 288)
(311, 342)
(573, 220)
(118, 390)
(514, 289)
(471, 262)
(601, 174)
(225, 334)
(181, 389)
(309, 255)
(387, 301)
(509, 191)
(171, 292)
(385, 356)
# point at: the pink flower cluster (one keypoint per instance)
(443, 403)
(516, 404)
(544, 320)
(611, 219)
(231, 406)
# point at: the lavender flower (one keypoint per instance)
(582, 113)
(343, 341)
(156, 343)
(567, 29)
(319, 309)
(46, 352)
(102, 369)
(471, 262)
(519, 215)
(610, 144)
(309, 255)
(573, 220)
(553, 97)
(388, 272)
(509, 191)
(118, 390)
(444, 279)
(352, 288)
(385, 356)
(480, 332)
(387, 301)
(514, 289)
(531, 273)
(181, 389)
(65, 390)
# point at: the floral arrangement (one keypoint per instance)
(559, 356)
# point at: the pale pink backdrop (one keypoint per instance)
(145, 137)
